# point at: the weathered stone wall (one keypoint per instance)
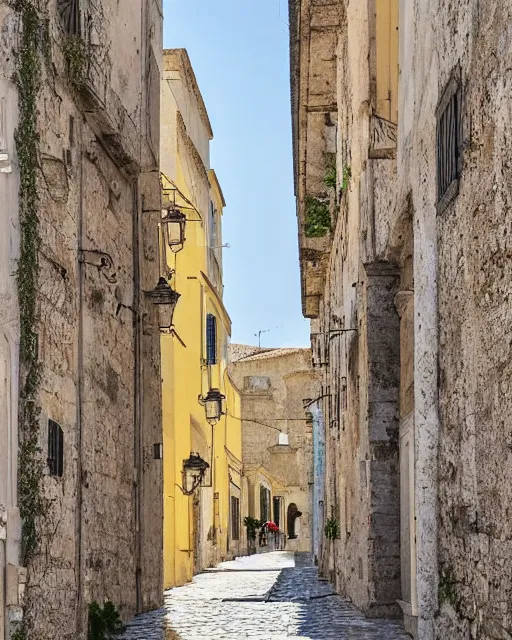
(274, 383)
(436, 339)
(467, 248)
(99, 205)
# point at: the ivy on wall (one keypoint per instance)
(28, 73)
(30, 466)
(318, 218)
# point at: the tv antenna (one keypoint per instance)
(258, 335)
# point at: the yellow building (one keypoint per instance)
(203, 528)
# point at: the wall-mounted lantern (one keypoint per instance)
(166, 299)
(194, 470)
(213, 405)
(173, 225)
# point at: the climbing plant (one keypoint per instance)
(30, 470)
(318, 218)
(332, 529)
(347, 175)
(104, 622)
(75, 55)
(447, 587)
(330, 177)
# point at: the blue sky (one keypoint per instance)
(239, 51)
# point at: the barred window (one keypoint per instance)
(235, 518)
(449, 144)
(55, 449)
(264, 504)
(211, 339)
(277, 502)
(69, 12)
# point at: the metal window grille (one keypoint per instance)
(449, 144)
(211, 339)
(55, 449)
(277, 510)
(235, 518)
(69, 12)
(264, 504)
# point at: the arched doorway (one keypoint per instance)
(292, 515)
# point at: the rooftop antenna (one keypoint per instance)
(258, 335)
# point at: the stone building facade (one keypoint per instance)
(80, 397)
(277, 437)
(403, 206)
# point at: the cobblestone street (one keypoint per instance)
(264, 597)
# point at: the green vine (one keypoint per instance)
(330, 177)
(347, 175)
(104, 622)
(318, 218)
(447, 587)
(75, 55)
(19, 633)
(332, 529)
(28, 73)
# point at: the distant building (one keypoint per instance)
(277, 437)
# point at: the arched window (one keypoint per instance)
(292, 515)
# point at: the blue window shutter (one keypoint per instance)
(211, 339)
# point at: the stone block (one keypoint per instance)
(12, 586)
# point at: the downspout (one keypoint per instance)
(79, 383)
(137, 398)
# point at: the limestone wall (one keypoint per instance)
(98, 208)
(462, 264)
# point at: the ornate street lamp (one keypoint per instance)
(194, 469)
(166, 299)
(213, 405)
(173, 225)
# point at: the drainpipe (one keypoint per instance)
(79, 384)
(137, 397)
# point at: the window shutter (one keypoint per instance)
(211, 339)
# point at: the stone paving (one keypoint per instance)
(264, 597)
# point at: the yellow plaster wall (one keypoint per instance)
(184, 375)
(387, 58)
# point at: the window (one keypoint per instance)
(214, 234)
(277, 510)
(257, 384)
(235, 518)
(69, 12)
(449, 144)
(291, 516)
(211, 339)
(264, 504)
(55, 449)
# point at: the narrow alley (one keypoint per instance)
(263, 597)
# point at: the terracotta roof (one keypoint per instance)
(246, 352)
